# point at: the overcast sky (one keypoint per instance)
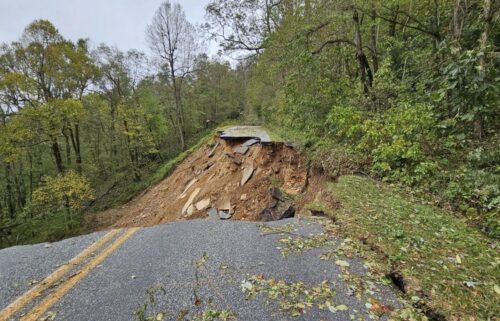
(120, 23)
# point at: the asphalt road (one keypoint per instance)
(239, 132)
(190, 268)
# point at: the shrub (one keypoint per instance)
(65, 193)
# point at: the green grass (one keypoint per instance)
(167, 168)
(453, 267)
(280, 134)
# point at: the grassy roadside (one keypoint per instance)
(446, 266)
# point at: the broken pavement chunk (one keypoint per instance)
(190, 200)
(288, 213)
(203, 204)
(274, 202)
(247, 174)
(251, 142)
(212, 213)
(224, 214)
(239, 132)
(241, 150)
(212, 151)
(225, 205)
(187, 188)
(190, 210)
(267, 215)
(276, 193)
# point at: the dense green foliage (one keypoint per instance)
(78, 124)
(436, 253)
(409, 90)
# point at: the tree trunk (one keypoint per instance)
(30, 158)
(20, 188)
(178, 104)
(133, 162)
(75, 141)
(9, 199)
(392, 23)
(364, 67)
(436, 24)
(67, 148)
(56, 151)
(488, 13)
(374, 40)
(488, 19)
(458, 20)
(113, 132)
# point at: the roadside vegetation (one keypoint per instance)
(440, 262)
(446, 266)
(405, 92)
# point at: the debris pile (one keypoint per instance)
(242, 175)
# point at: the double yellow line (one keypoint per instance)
(69, 283)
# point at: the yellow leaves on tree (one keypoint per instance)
(68, 191)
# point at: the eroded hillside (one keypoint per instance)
(236, 178)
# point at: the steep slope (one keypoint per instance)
(238, 178)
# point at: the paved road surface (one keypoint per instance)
(240, 132)
(200, 265)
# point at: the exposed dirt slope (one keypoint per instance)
(214, 177)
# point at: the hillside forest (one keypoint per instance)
(404, 91)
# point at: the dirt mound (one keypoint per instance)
(241, 179)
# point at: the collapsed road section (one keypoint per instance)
(241, 175)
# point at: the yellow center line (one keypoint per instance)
(55, 296)
(38, 289)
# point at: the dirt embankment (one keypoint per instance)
(238, 179)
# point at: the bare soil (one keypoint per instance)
(214, 178)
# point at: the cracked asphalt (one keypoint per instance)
(200, 264)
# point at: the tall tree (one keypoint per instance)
(173, 39)
(45, 70)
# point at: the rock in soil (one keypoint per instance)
(219, 179)
(241, 150)
(203, 204)
(190, 200)
(251, 142)
(247, 174)
(288, 213)
(224, 214)
(212, 151)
